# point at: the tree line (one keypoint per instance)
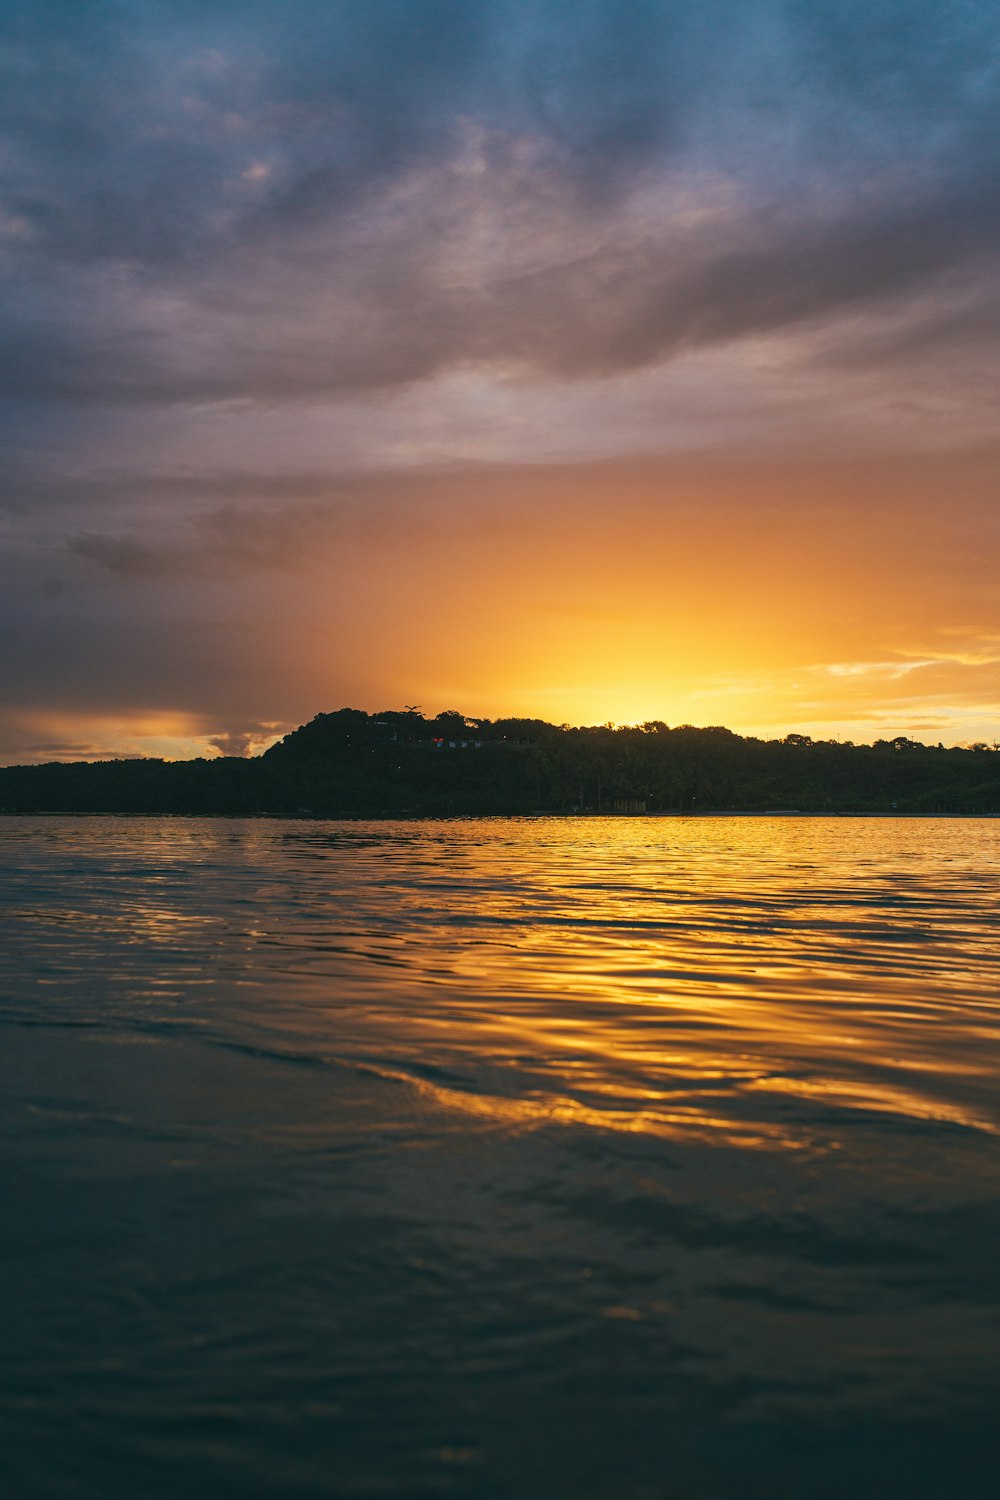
(400, 763)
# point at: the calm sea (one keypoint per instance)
(621, 1159)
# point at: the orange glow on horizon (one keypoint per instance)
(766, 597)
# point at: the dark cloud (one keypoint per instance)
(227, 539)
(268, 201)
(127, 555)
(248, 739)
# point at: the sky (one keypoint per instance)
(592, 360)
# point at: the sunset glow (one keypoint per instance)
(572, 370)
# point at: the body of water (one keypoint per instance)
(592, 1159)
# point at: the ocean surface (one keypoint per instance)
(585, 1159)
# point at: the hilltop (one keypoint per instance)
(398, 763)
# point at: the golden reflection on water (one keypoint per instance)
(690, 976)
(754, 981)
(695, 1119)
(616, 1102)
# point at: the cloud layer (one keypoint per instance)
(268, 201)
(276, 274)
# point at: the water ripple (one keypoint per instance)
(422, 1152)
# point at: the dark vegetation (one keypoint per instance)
(398, 763)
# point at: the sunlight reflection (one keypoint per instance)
(749, 981)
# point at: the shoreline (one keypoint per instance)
(465, 817)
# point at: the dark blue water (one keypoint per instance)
(597, 1159)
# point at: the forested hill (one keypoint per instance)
(399, 763)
